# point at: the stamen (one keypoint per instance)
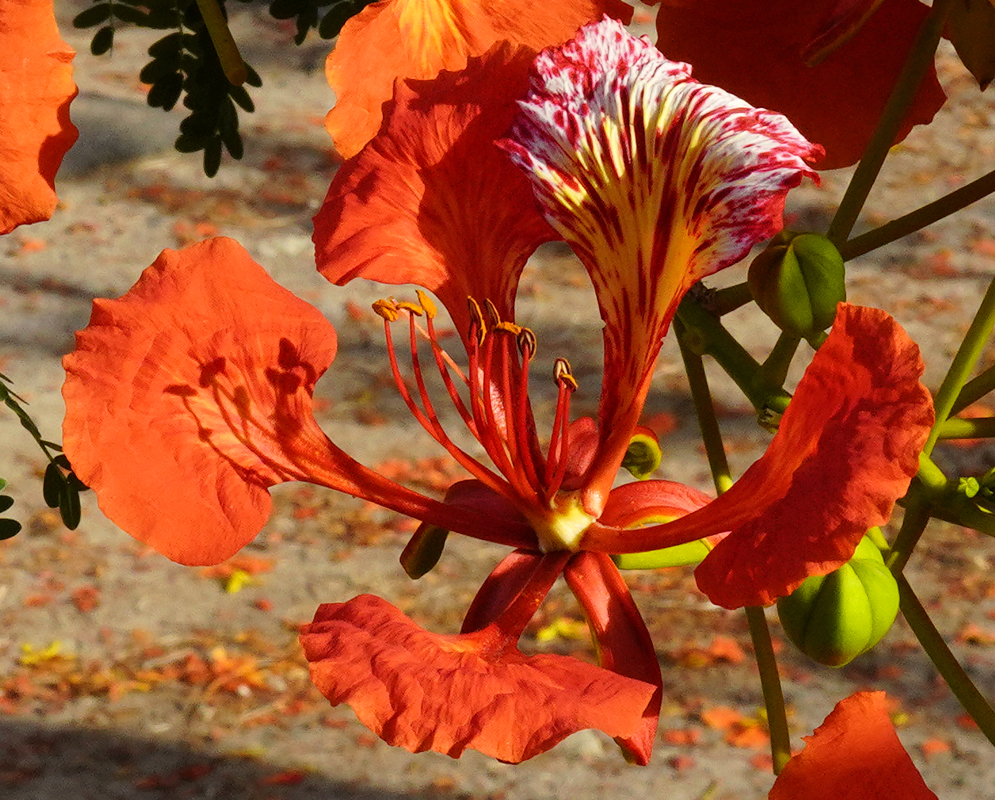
(559, 443)
(431, 423)
(427, 304)
(476, 322)
(387, 309)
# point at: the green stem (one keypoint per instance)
(963, 364)
(730, 298)
(775, 368)
(224, 43)
(946, 664)
(917, 514)
(770, 684)
(981, 428)
(704, 409)
(974, 390)
(763, 649)
(920, 218)
(916, 64)
(706, 335)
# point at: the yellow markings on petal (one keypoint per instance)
(562, 526)
(432, 30)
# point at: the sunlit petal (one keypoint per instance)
(624, 643)
(762, 50)
(855, 753)
(656, 180)
(424, 691)
(846, 450)
(431, 200)
(36, 87)
(419, 38)
(191, 395)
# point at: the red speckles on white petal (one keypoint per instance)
(655, 180)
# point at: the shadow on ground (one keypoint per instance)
(44, 763)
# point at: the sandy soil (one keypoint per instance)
(123, 675)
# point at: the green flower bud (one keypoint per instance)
(798, 282)
(834, 618)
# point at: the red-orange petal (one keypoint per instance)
(850, 442)
(624, 643)
(190, 395)
(420, 38)
(757, 49)
(846, 450)
(424, 691)
(36, 87)
(855, 753)
(431, 200)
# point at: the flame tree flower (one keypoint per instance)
(819, 63)
(36, 87)
(419, 38)
(204, 372)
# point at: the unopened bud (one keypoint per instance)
(834, 618)
(798, 281)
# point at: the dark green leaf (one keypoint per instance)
(332, 22)
(252, 77)
(189, 144)
(286, 9)
(76, 483)
(103, 40)
(9, 528)
(53, 486)
(212, 157)
(168, 46)
(70, 509)
(240, 96)
(5, 502)
(165, 92)
(95, 15)
(128, 14)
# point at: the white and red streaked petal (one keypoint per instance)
(655, 180)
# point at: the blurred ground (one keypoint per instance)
(123, 675)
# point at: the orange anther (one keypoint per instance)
(387, 308)
(426, 304)
(561, 371)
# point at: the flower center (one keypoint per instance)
(498, 413)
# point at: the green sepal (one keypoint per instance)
(643, 456)
(680, 555)
(423, 550)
